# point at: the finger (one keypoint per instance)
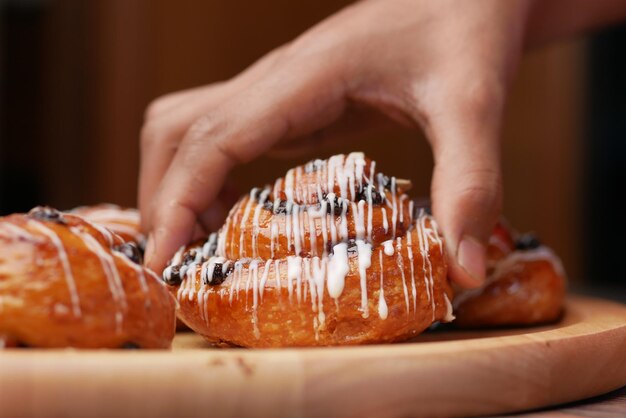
(467, 183)
(296, 100)
(169, 117)
(160, 138)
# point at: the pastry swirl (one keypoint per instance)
(334, 253)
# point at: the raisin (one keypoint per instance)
(46, 213)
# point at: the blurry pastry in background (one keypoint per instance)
(65, 282)
(525, 284)
(125, 222)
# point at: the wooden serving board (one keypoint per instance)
(439, 373)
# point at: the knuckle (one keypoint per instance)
(213, 130)
(155, 107)
(482, 95)
(159, 106)
(152, 133)
(482, 186)
(227, 149)
(204, 127)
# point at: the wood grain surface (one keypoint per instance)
(441, 373)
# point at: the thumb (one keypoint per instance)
(467, 186)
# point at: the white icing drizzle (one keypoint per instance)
(297, 235)
(14, 230)
(289, 185)
(277, 188)
(319, 272)
(255, 220)
(294, 272)
(383, 311)
(235, 281)
(253, 270)
(333, 227)
(121, 220)
(388, 247)
(108, 236)
(312, 233)
(394, 206)
(110, 271)
(264, 277)
(298, 191)
(343, 224)
(324, 230)
(338, 268)
(359, 222)
(409, 252)
(288, 219)
(426, 263)
(242, 224)
(400, 264)
(365, 261)
(63, 258)
(370, 204)
(385, 223)
(112, 214)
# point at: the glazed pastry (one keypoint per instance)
(123, 221)
(525, 284)
(65, 282)
(334, 253)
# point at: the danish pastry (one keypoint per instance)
(65, 282)
(525, 284)
(334, 253)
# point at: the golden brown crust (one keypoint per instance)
(67, 283)
(284, 317)
(282, 288)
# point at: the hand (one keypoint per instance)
(440, 65)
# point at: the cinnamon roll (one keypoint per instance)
(333, 253)
(65, 282)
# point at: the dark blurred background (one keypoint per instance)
(77, 75)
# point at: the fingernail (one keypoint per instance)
(150, 247)
(471, 257)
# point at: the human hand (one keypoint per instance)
(440, 65)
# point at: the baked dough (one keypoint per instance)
(333, 253)
(65, 282)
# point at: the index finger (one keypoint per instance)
(240, 130)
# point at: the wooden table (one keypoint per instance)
(441, 373)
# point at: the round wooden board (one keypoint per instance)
(439, 374)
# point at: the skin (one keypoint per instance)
(441, 66)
